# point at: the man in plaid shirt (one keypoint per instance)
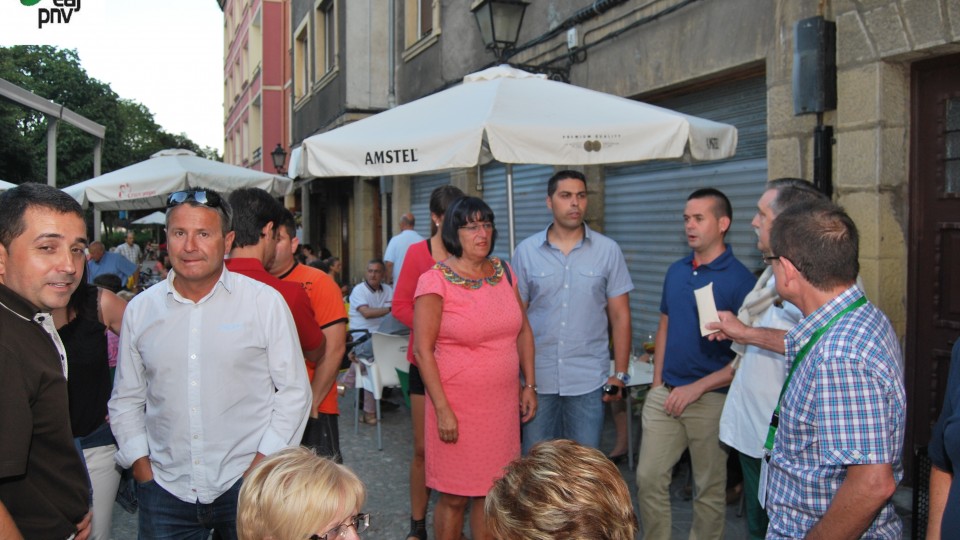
(835, 459)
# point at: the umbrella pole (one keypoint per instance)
(512, 228)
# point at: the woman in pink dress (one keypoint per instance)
(472, 340)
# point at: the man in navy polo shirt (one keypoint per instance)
(691, 374)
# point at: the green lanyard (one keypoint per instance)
(775, 419)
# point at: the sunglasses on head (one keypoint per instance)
(206, 198)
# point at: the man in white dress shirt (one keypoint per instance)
(210, 379)
(760, 365)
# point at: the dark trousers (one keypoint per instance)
(164, 516)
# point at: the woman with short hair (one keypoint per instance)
(298, 494)
(561, 491)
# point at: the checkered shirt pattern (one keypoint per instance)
(131, 253)
(845, 406)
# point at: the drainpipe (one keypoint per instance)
(391, 54)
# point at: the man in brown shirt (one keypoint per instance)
(44, 491)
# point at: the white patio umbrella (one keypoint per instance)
(511, 116)
(148, 183)
(156, 218)
(6, 185)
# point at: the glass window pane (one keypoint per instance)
(953, 114)
(951, 176)
(953, 145)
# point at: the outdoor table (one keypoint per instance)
(641, 373)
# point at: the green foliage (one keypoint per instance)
(132, 134)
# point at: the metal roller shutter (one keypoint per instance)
(421, 187)
(644, 203)
(529, 201)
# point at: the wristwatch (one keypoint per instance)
(622, 377)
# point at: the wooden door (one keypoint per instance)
(933, 321)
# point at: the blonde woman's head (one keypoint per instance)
(295, 494)
(561, 491)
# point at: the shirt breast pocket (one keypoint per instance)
(593, 282)
(544, 282)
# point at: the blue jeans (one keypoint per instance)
(164, 516)
(579, 418)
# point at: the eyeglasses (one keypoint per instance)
(359, 522)
(475, 227)
(206, 198)
(768, 259)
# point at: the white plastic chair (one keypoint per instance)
(389, 357)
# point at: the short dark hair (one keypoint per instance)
(320, 264)
(792, 191)
(377, 260)
(441, 199)
(465, 210)
(285, 220)
(253, 209)
(821, 241)
(15, 202)
(566, 174)
(223, 210)
(110, 282)
(721, 204)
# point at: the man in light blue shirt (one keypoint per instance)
(572, 280)
(398, 245)
(105, 262)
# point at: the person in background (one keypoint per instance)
(472, 342)
(255, 247)
(44, 491)
(239, 390)
(306, 250)
(112, 283)
(130, 250)
(835, 457)
(944, 452)
(336, 267)
(757, 332)
(398, 245)
(574, 281)
(369, 305)
(296, 494)
(84, 325)
(561, 490)
(324, 294)
(104, 262)
(420, 258)
(690, 375)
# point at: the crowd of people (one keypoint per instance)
(223, 406)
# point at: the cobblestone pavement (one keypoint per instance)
(385, 474)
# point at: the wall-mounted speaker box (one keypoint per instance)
(814, 66)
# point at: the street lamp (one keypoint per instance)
(279, 156)
(499, 22)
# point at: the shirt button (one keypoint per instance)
(193, 383)
(563, 323)
(196, 436)
(196, 462)
(193, 357)
(566, 286)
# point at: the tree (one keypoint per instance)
(132, 134)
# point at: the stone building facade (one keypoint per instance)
(895, 149)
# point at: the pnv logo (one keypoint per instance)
(61, 12)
